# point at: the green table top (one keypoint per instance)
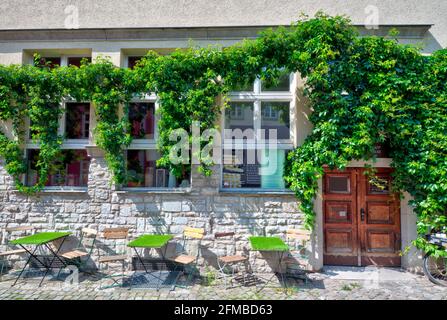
(268, 244)
(40, 238)
(150, 241)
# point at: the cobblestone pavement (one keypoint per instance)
(321, 286)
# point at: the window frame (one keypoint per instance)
(148, 144)
(257, 97)
(67, 144)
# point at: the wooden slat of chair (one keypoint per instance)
(12, 252)
(116, 233)
(298, 234)
(195, 233)
(19, 228)
(224, 234)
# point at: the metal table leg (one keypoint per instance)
(55, 255)
(31, 255)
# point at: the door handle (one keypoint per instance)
(362, 214)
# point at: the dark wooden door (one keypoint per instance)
(361, 219)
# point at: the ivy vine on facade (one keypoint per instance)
(363, 91)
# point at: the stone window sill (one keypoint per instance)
(154, 190)
(62, 190)
(259, 192)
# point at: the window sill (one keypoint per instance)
(154, 190)
(73, 190)
(257, 192)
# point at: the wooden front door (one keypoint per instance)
(361, 219)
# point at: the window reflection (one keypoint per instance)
(69, 169)
(142, 120)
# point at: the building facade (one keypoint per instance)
(235, 198)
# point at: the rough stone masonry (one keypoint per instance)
(101, 205)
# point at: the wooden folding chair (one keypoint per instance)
(20, 231)
(186, 259)
(228, 264)
(298, 258)
(80, 255)
(119, 256)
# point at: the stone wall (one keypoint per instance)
(203, 206)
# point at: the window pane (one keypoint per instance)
(76, 61)
(51, 62)
(143, 172)
(70, 168)
(282, 85)
(254, 169)
(77, 120)
(339, 184)
(276, 116)
(243, 87)
(132, 61)
(142, 120)
(239, 115)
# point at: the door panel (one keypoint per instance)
(340, 221)
(361, 218)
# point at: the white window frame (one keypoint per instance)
(67, 144)
(148, 144)
(257, 96)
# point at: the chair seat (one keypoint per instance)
(183, 259)
(12, 252)
(233, 259)
(74, 254)
(112, 258)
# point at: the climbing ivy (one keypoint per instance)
(363, 91)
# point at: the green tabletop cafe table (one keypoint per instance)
(270, 244)
(150, 241)
(39, 240)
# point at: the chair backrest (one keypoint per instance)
(299, 236)
(223, 234)
(116, 233)
(87, 239)
(18, 231)
(227, 236)
(194, 233)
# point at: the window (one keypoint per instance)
(282, 84)
(142, 154)
(70, 168)
(239, 115)
(249, 169)
(77, 120)
(143, 172)
(142, 120)
(62, 60)
(77, 61)
(252, 121)
(132, 61)
(51, 62)
(276, 115)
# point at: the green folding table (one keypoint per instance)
(150, 241)
(270, 244)
(38, 240)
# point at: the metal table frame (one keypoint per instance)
(22, 242)
(281, 249)
(163, 244)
